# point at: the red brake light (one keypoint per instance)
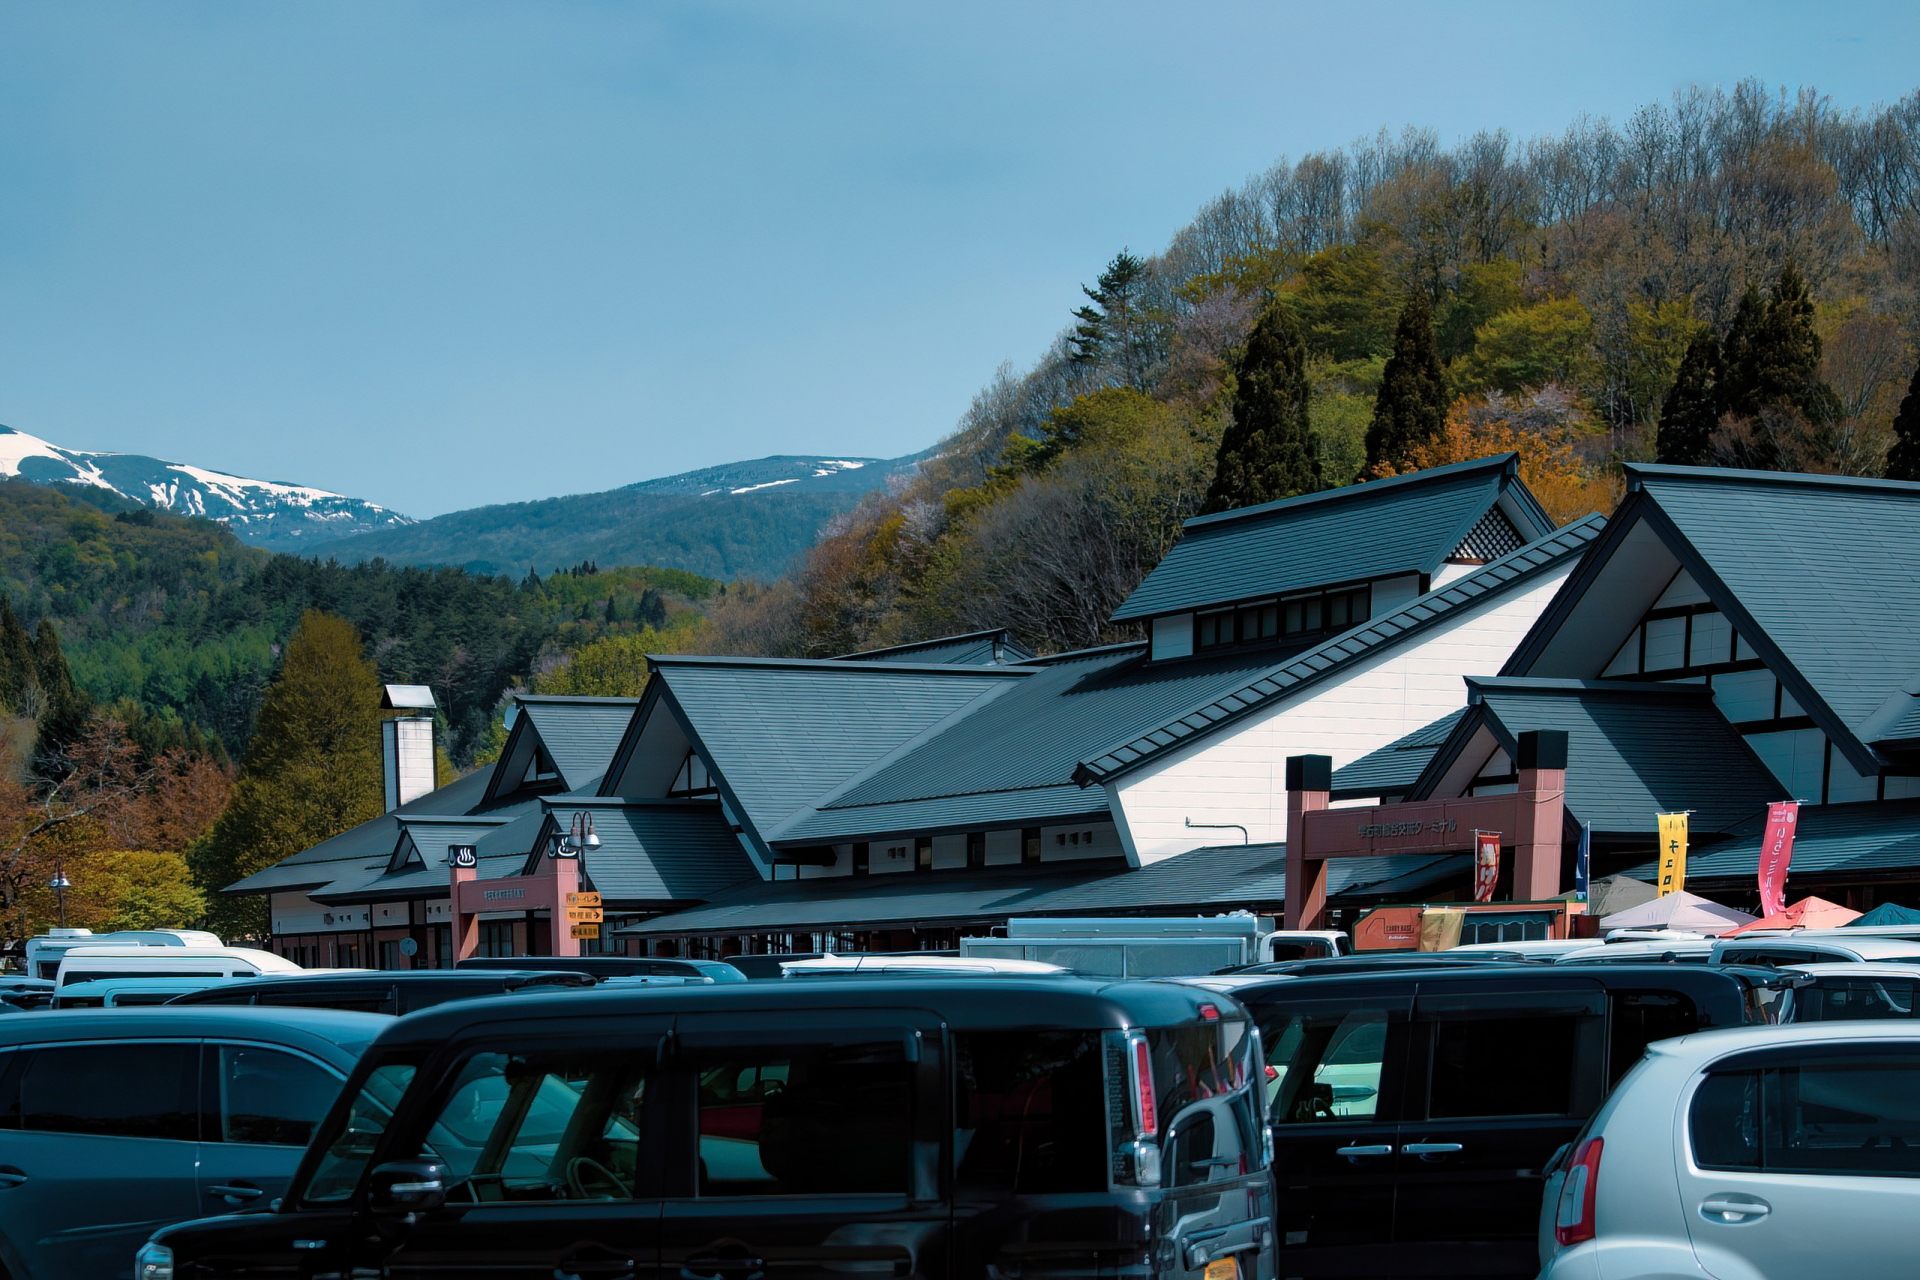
(1573, 1217)
(1143, 1089)
(1210, 1013)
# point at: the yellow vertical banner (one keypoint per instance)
(1673, 852)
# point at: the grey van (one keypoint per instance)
(116, 1122)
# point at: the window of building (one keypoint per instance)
(923, 853)
(496, 938)
(1266, 621)
(976, 849)
(1030, 844)
(861, 854)
(692, 779)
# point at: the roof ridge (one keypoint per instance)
(1554, 684)
(591, 699)
(935, 643)
(838, 665)
(1736, 475)
(1362, 490)
(1313, 664)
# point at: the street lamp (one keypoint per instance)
(60, 884)
(580, 838)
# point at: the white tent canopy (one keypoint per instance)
(1682, 910)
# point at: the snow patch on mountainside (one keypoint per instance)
(271, 513)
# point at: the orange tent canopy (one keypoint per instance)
(1808, 913)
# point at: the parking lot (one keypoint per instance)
(1574, 1110)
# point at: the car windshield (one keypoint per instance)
(346, 1154)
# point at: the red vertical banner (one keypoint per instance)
(1486, 864)
(1776, 851)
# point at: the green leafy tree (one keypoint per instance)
(1411, 408)
(1482, 291)
(1903, 460)
(1345, 303)
(1692, 407)
(1526, 348)
(1267, 451)
(312, 769)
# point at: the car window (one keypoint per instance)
(1775, 956)
(338, 1170)
(1834, 999)
(1639, 1019)
(1192, 1148)
(266, 1096)
(536, 1125)
(127, 1090)
(1325, 1066)
(1858, 1117)
(1028, 1112)
(1501, 1066)
(356, 1001)
(804, 1120)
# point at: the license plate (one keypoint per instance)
(1223, 1269)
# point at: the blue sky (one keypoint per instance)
(439, 255)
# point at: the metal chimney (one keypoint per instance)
(406, 743)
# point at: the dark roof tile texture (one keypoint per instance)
(579, 733)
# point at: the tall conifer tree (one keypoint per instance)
(312, 769)
(1267, 452)
(1903, 460)
(1411, 408)
(1692, 408)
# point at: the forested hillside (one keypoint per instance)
(1726, 279)
(172, 623)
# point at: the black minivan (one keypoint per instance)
(1414, 1111)
(903, 1126)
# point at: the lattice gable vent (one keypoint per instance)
(1494, 536)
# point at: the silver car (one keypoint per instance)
(1768, 1153)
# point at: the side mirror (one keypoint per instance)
(407, 1186)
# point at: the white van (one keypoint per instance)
(91, 964)
(44, 952)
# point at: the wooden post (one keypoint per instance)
(466, 924)
(1542, 766)
(1309, 784)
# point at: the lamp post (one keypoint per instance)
(60, 884)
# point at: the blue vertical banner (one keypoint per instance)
(1583, 863)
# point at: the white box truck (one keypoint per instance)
(1150, 947)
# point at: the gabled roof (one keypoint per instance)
(417, 867)
(975, 648)
(656, 851)
(579, 733)
(1408, 524)
(1394, 768)
(779, 733)
(1287, 678)
(1821, 574)
(1633, 750)
(1850, 840)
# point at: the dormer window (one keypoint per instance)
(1267, 621)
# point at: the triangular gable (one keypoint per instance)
(1410, 524)
(559, 744)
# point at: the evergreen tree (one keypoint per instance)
(613, 613)
(1903, 460)
(312, 769)
(19, 673)
(1411, 408)
(1692, 407)
(1116, 330)
(65, 709)
(1772, 355)
(1737, 381)
(1267, 451)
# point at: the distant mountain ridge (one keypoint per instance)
(264, 513)
(750, 519)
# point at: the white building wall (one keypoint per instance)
(297, 913)
(1239, 775)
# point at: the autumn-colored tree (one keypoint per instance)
(1267, 451)
(311, 771)
(1545, 430)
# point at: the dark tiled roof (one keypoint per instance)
(1394, 768)
(783, 733)
(579, 733)
(1287, 678)
(1869, 838)
(1409, 524)
(1035, 805)
(1633, 750)
(658, 850)
(976, 648)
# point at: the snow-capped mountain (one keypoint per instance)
(266, 513)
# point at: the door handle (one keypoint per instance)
(594, 1261)
(725, 1260)
(1734, 1210)
(1354, 1153)
(10, 1177)
(236, 1191)
(1429, 1150)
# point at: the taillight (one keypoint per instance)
(1573, 1217)
(1143, 1089)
